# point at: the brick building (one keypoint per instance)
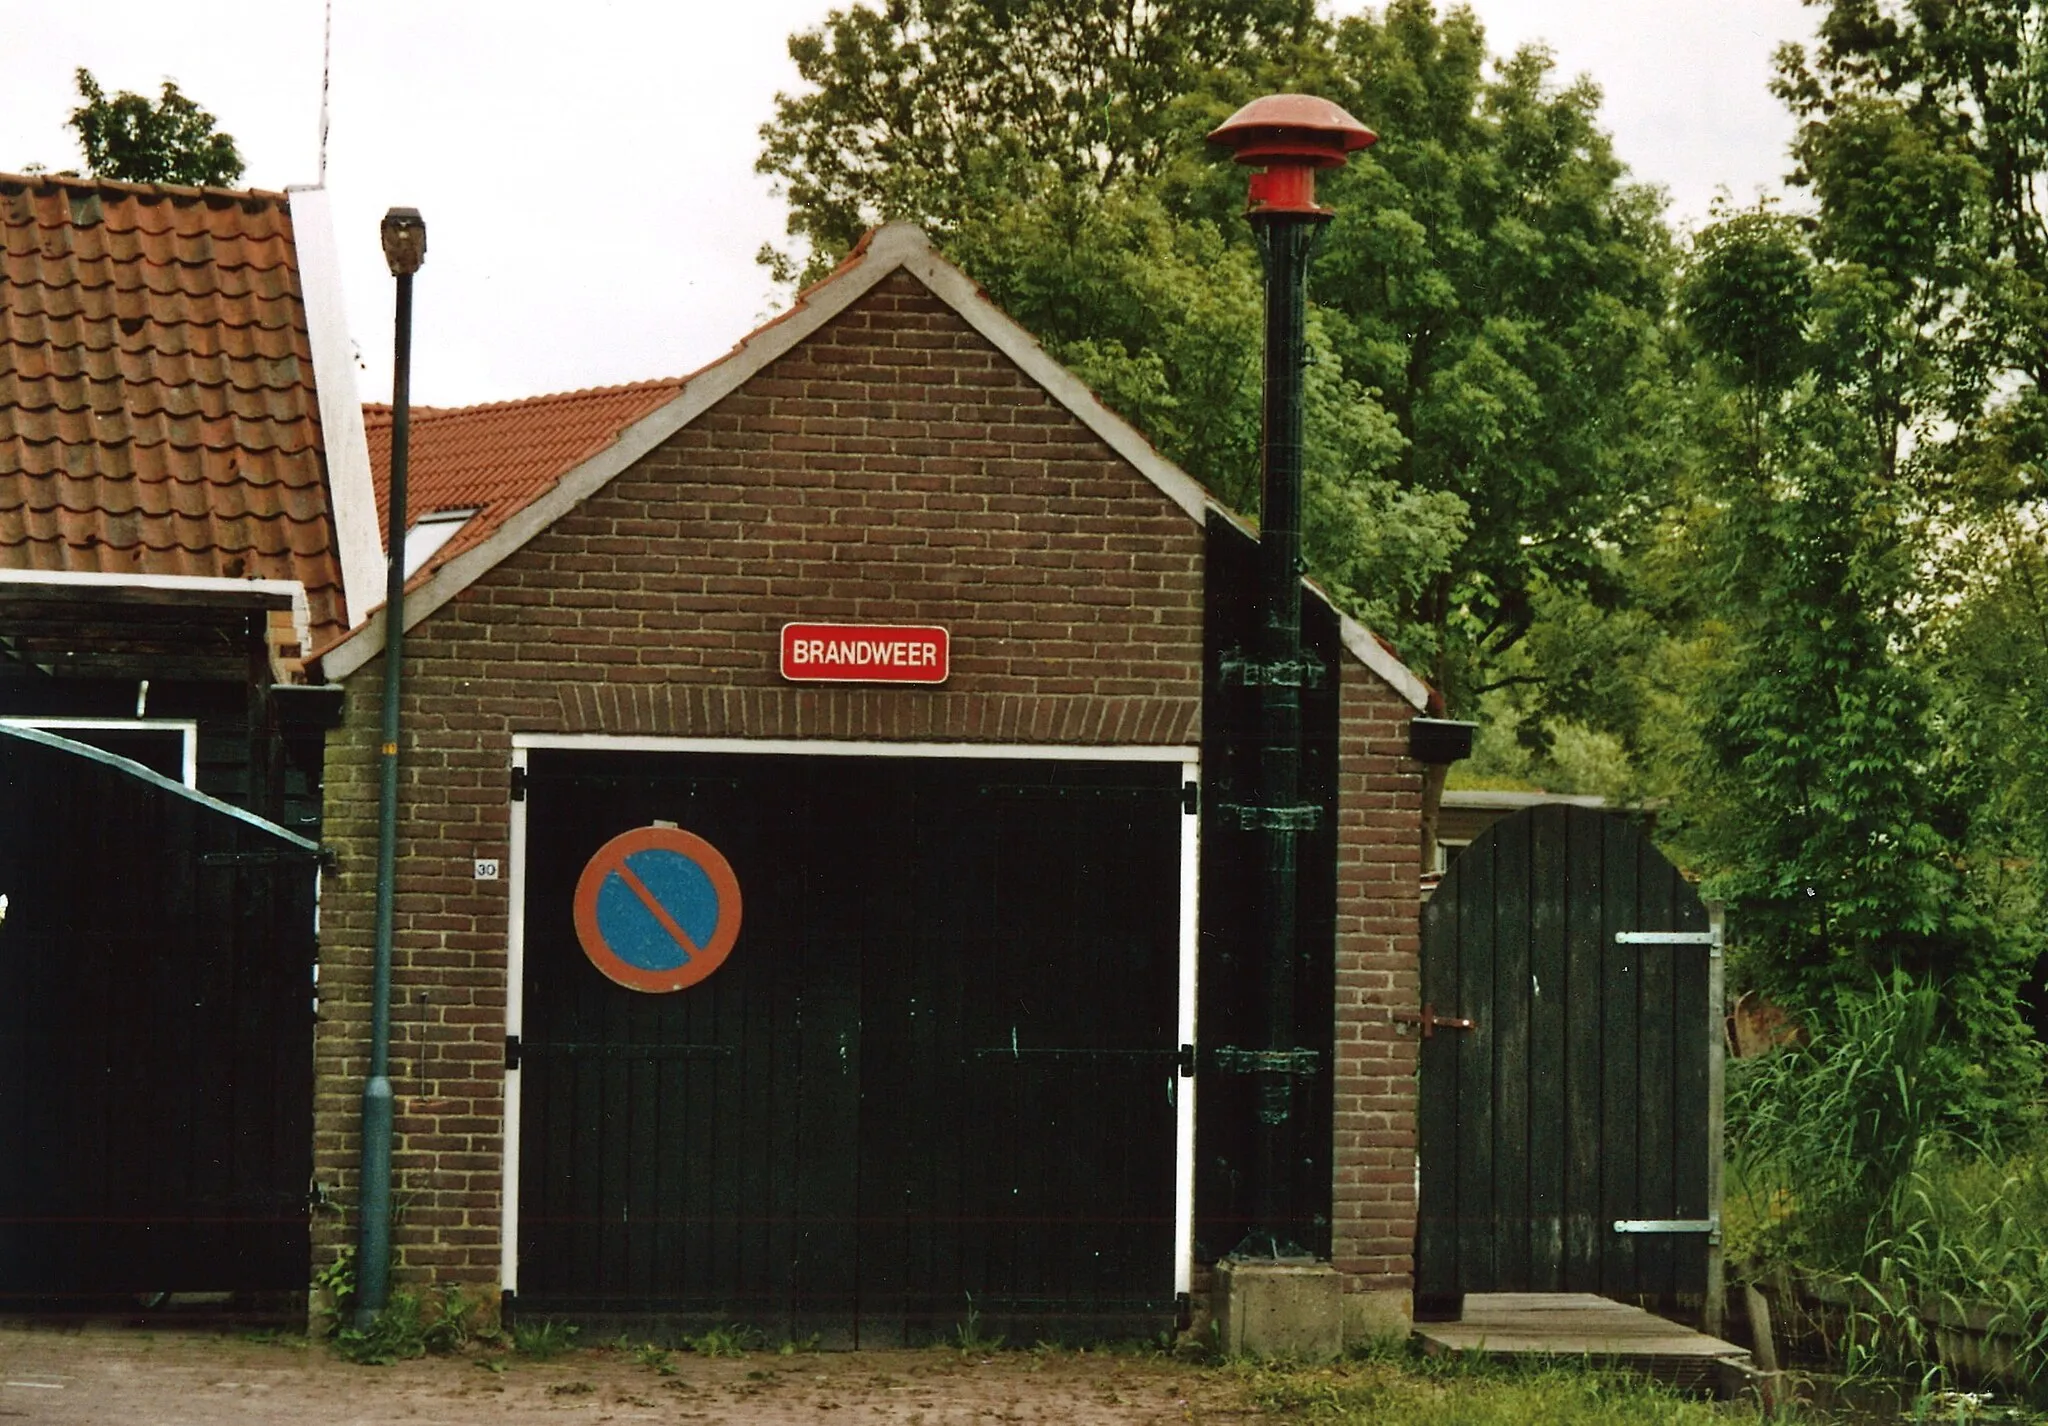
(941, 1069)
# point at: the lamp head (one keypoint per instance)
(405, 240)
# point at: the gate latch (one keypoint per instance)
(1710, 1225)
(1430, 1021)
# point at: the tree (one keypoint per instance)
(1921, 141)
(1827, 799)
(1482, 411)
(930, 110)
(128, 138)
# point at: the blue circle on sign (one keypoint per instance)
(635, 931)
(657, 909)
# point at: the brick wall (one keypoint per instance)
(1379, 970)
(892, 467)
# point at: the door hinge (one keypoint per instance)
(518, 784)
(1185, 1061)
(1710, 1225)
(1190, 798)
(512, 1052)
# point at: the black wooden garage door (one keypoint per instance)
(935, 1074)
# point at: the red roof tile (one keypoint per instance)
(496, 459)
(157, 408)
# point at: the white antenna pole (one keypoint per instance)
(326, 68)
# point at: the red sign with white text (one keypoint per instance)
(865, 653)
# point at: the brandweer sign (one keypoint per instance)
(865, 653)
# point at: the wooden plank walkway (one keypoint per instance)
(1581, 1325)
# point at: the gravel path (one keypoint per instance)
(105, 1376)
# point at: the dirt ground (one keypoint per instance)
(104, 1376)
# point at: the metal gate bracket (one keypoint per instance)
(1307, 671)
(1710, 939)
(1711, 1226)
(1229, 1059)
(1249, 817)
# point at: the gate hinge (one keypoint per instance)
(1709, 1225)
(1251, 817)
(518, 784)
(260, 856)
(1710, 939)
(1229, 1059)
(1185, 1061)
(512, 1052)
(1190, 798)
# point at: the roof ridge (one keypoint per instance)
(117, 185)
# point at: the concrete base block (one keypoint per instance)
(1378, 1317)
(1279, 1310)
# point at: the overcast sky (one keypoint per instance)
(586, 169)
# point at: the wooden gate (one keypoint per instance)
(935, 1076)
(1569, 1137)
(156, 1034)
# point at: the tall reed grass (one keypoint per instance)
(1857, 1168)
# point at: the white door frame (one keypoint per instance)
(1181, 1090)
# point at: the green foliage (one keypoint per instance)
(649, 1354)
(1392, 1385)
(1848, 1168)
(1840, 1123)
(446, 1322)
(543, 1340)
(126, 137)
(968, 1337)
(338, 1281)
(933, 110)
(1497, 285)
(731, 1340)
(1484, 408)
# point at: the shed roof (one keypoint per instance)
(481, 456)
(158, 414)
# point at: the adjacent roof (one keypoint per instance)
(157, 407)
(524, 491)
(494, 459)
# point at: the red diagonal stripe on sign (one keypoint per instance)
(659, 912)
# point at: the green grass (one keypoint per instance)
(542, 1340)
(727, 1341)
(1422, 1391)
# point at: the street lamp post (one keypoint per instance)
(405, 248)
(1286, 137)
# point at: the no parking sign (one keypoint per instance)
(657, 909)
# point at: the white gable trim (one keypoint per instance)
(1373, 654)
(898, 245)
(351, 496)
